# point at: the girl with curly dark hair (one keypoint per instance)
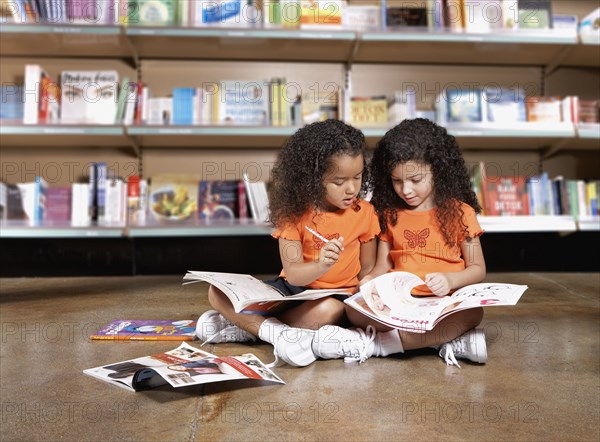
(326, 235)
(427, 212)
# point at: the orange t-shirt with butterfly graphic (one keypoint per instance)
(355, 226)
(417, 246)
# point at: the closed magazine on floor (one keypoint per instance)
(388, 299)
(181, 367)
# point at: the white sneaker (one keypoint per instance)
(469, 346)
(294, 347)
(333, 342)
(212, 327)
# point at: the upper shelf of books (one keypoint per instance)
(415, 45)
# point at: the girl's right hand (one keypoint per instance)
(330, 252)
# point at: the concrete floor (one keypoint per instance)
(541, 382)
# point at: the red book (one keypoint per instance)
(506, 196)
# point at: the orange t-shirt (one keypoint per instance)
(417, 246)
(355, 227)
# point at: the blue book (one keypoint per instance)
(11, 102)
(183, 105)
(463, 106)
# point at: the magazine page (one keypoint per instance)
(183, 366)
(388, 298)
(245, 290)
(241, 289)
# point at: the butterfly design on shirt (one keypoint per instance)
(416, 237)
(319, 243)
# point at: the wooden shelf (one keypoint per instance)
(549, 48)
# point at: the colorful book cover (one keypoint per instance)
(149, 13)
(319, 106)
(463, 106)
(535, 14)
(148, 330)
(218, 200)
(174, 197)
(89, 96)
(544, 109)
(369, 111)
(505, 105)
(58, 204)
(506, 196)
(244, 103)
(321, 14)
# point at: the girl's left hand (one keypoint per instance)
(438, 283)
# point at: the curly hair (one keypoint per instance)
(297, 177)
(423, 141)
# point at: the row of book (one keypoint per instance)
(101, 97)
(456, 15)
(498, 105)
(534, 195)
(108, 200)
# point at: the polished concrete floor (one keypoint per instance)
(541, 382)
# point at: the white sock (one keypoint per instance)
(388, 343)
(270, 330)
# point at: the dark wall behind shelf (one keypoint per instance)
(504, 252)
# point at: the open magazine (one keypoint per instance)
(148, 330)
(182, 367)
(251, 295)
(388, 299)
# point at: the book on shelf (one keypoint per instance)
(401, 106)
(544, 109)
(80, 205)
(361, 17)
(505, 196)
(588, 111)
(482, 16)
(219, 200)
(402, 16)
(224, 13)
(173, 197)
(12, 99)
(321, 14)
(151, 13)
(320, 105)
(42, 96)
(535, 14)
(369, 111)
(243, 103)
(58, 204)
(589, 31)
(160, 111)
(505, 105)
(250, 295)
(461, 106)
(3, 200)
(14, 210)
(115, 212)
(33, 198)
(89, 96)
(258, 199)
(182, 367)
(147, 330)
(388, 300)
(137, 194)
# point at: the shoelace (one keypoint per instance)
(354, 353)
(447, 352)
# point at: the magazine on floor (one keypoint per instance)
(182, 367)
(147, 330)
(388, 299)
(249, 294)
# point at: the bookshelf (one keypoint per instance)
(170, 55)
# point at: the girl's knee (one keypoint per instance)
(329, 309)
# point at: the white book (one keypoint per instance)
(33, 196)
(80, 215)
(256, 191)
(116, 202)
(89, 96)
(160, 111)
